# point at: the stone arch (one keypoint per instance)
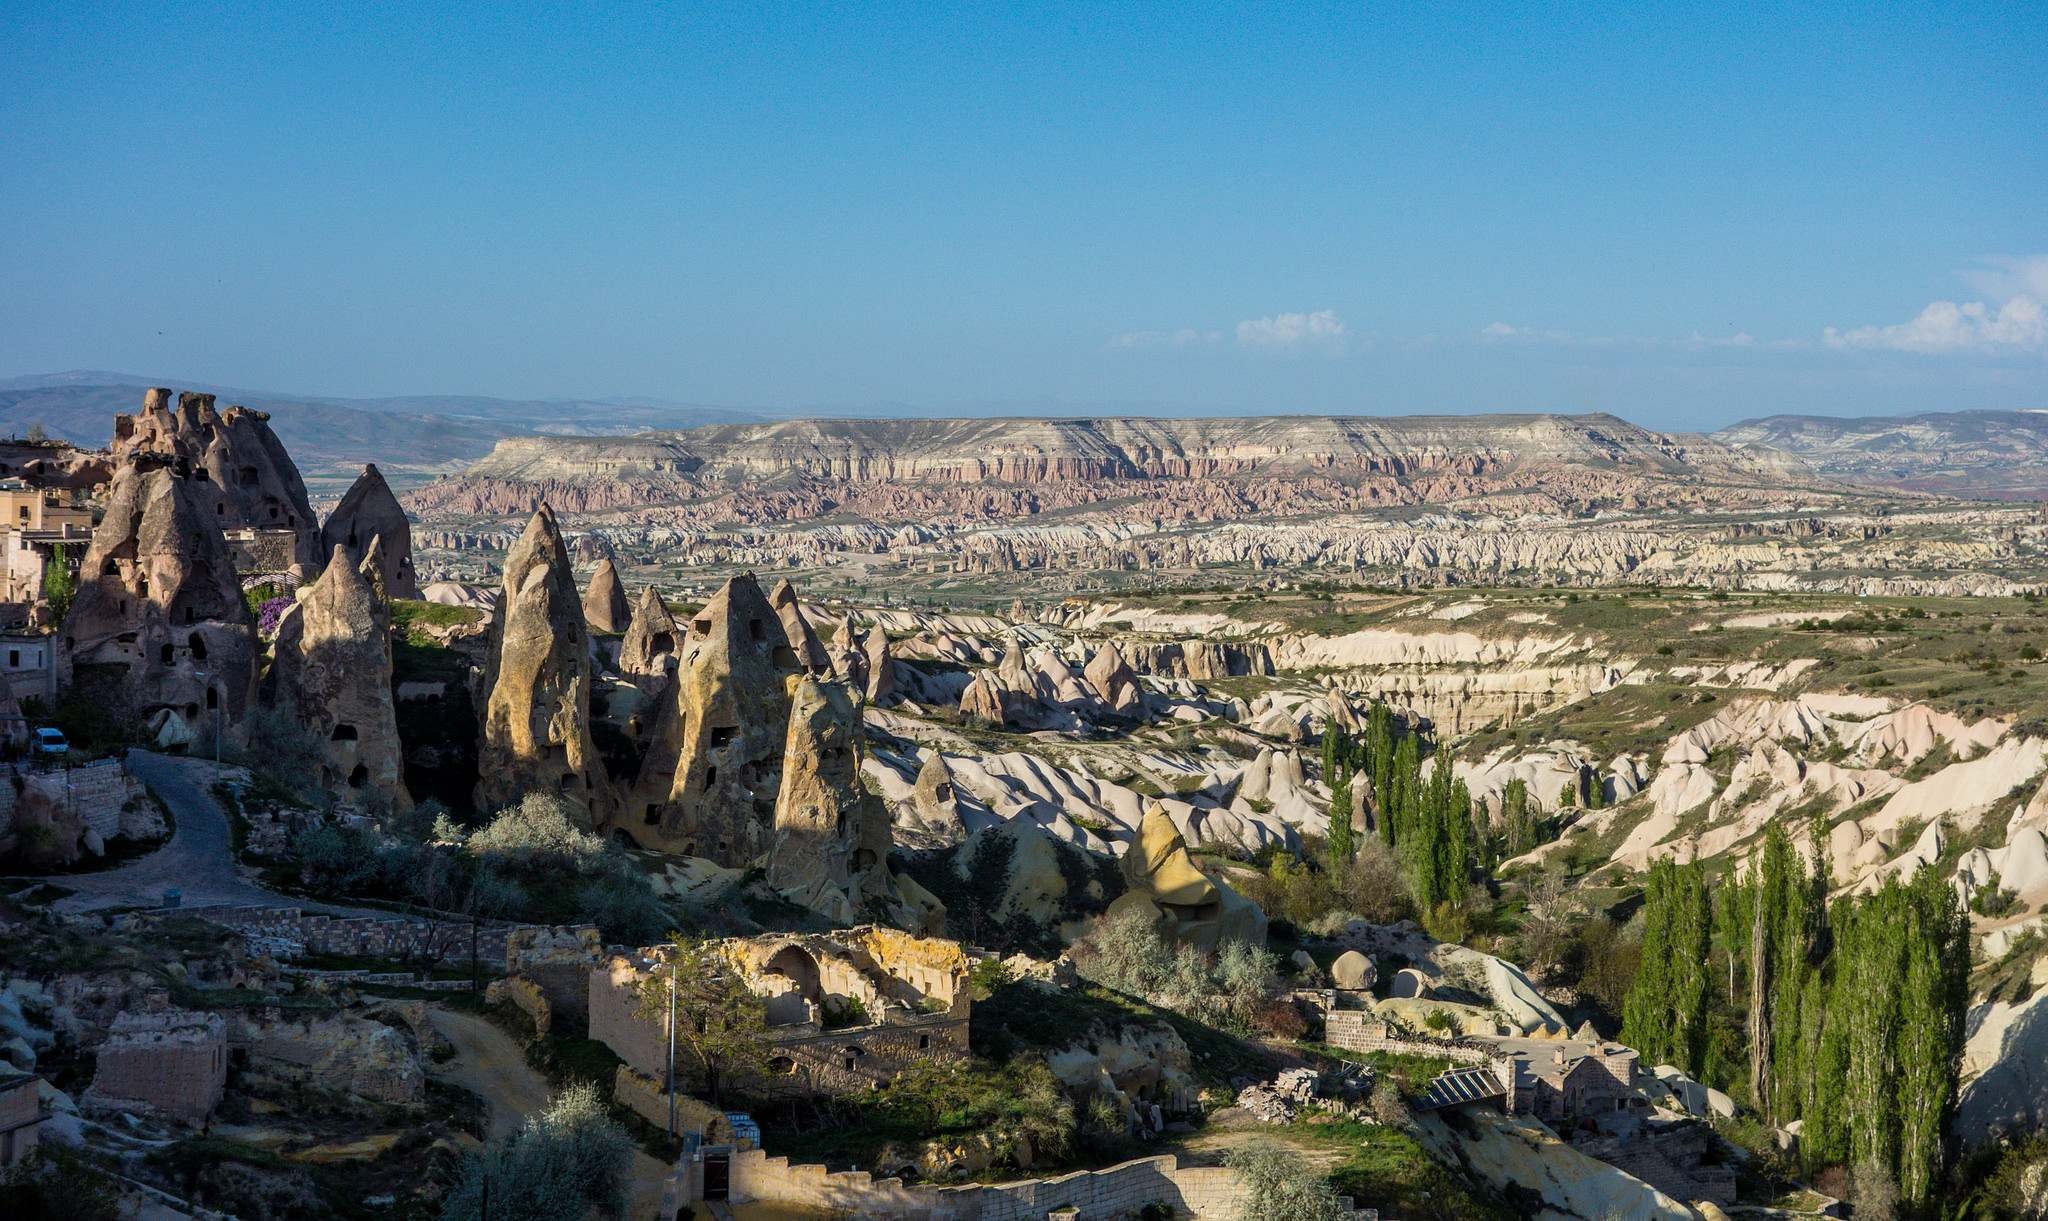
(796, 964)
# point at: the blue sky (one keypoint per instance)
(1684, 215)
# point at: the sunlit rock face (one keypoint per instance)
(369, 515)
(159, 615)
(536, 730)
(332, 674)
(713, 765)
(250, 481)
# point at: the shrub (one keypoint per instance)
(1279, 1186)
(569, 1161)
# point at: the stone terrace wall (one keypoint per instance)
(1358, 1030)
(1208, 1193)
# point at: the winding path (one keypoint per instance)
(199, 860)
(489, 1064)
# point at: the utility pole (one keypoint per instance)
(672, 1043)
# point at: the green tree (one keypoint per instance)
(1665, 1015)
(60, 584)
(721, 1027)
(1342, 845)
(1276, 1185)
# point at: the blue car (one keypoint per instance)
(51, 741)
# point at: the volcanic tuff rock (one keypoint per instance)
(648, 653)
(604, 600)
(253, 482)
(158, 598)
(536, 730)
(714, 758)
(332, 674)
(369, 512)
(1113, 680)
(1967, 453)
(831, 848)
(1180, 900)
(796, 626)
(935, 803)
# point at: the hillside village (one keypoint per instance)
(350, 879)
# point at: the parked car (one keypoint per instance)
(51, 741)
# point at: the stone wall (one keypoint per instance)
(1208, 1193)
(101, 794)
(801, 1059)
(393, 937)
(527, 997)
(1360, 1030)
(174, 1062)
(643, 1095)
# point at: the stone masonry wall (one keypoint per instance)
(174, 1062)
(1358, 1030)
(1207, 1193)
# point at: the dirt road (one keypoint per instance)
(489, 1064)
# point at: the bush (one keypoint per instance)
(1130, 955)
(569, 1161)
(1279, 1186)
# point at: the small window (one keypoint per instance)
(653, 816)
(755, 630)
(359, 777)
(165, 653)
(710, 777)
(343, 732)
(924, 1042)
(221, 509)
(569, 781)
(197, 644)
(721, 735)
(110, 569)
(212, 697)
(14, 659)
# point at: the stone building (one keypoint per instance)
(35, 524)
(1565, 1081)
(21, 1116)
(173, 1062)
(846, 1011)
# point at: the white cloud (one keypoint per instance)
(2010, 318)
(2003, 278)
(1323, 328)
(2020, 324)
(1185, 337)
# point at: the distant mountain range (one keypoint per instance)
(412, 438)
(1991, 454)
(2000, 455)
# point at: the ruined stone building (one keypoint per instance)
(647, 655)
(21, 1117)
(173, 1062)
(713, 764)
(332, 674)
(159, 616)
(846, 1011)
(536, 728)
(250, 481)
(368, 513)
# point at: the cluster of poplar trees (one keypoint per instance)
(1426, 821)
(1853, 1010)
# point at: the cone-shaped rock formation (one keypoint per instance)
(536, 730)
(159, 610)
(605, 607)
(367, 513)
(332, 674)
(250, 479)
